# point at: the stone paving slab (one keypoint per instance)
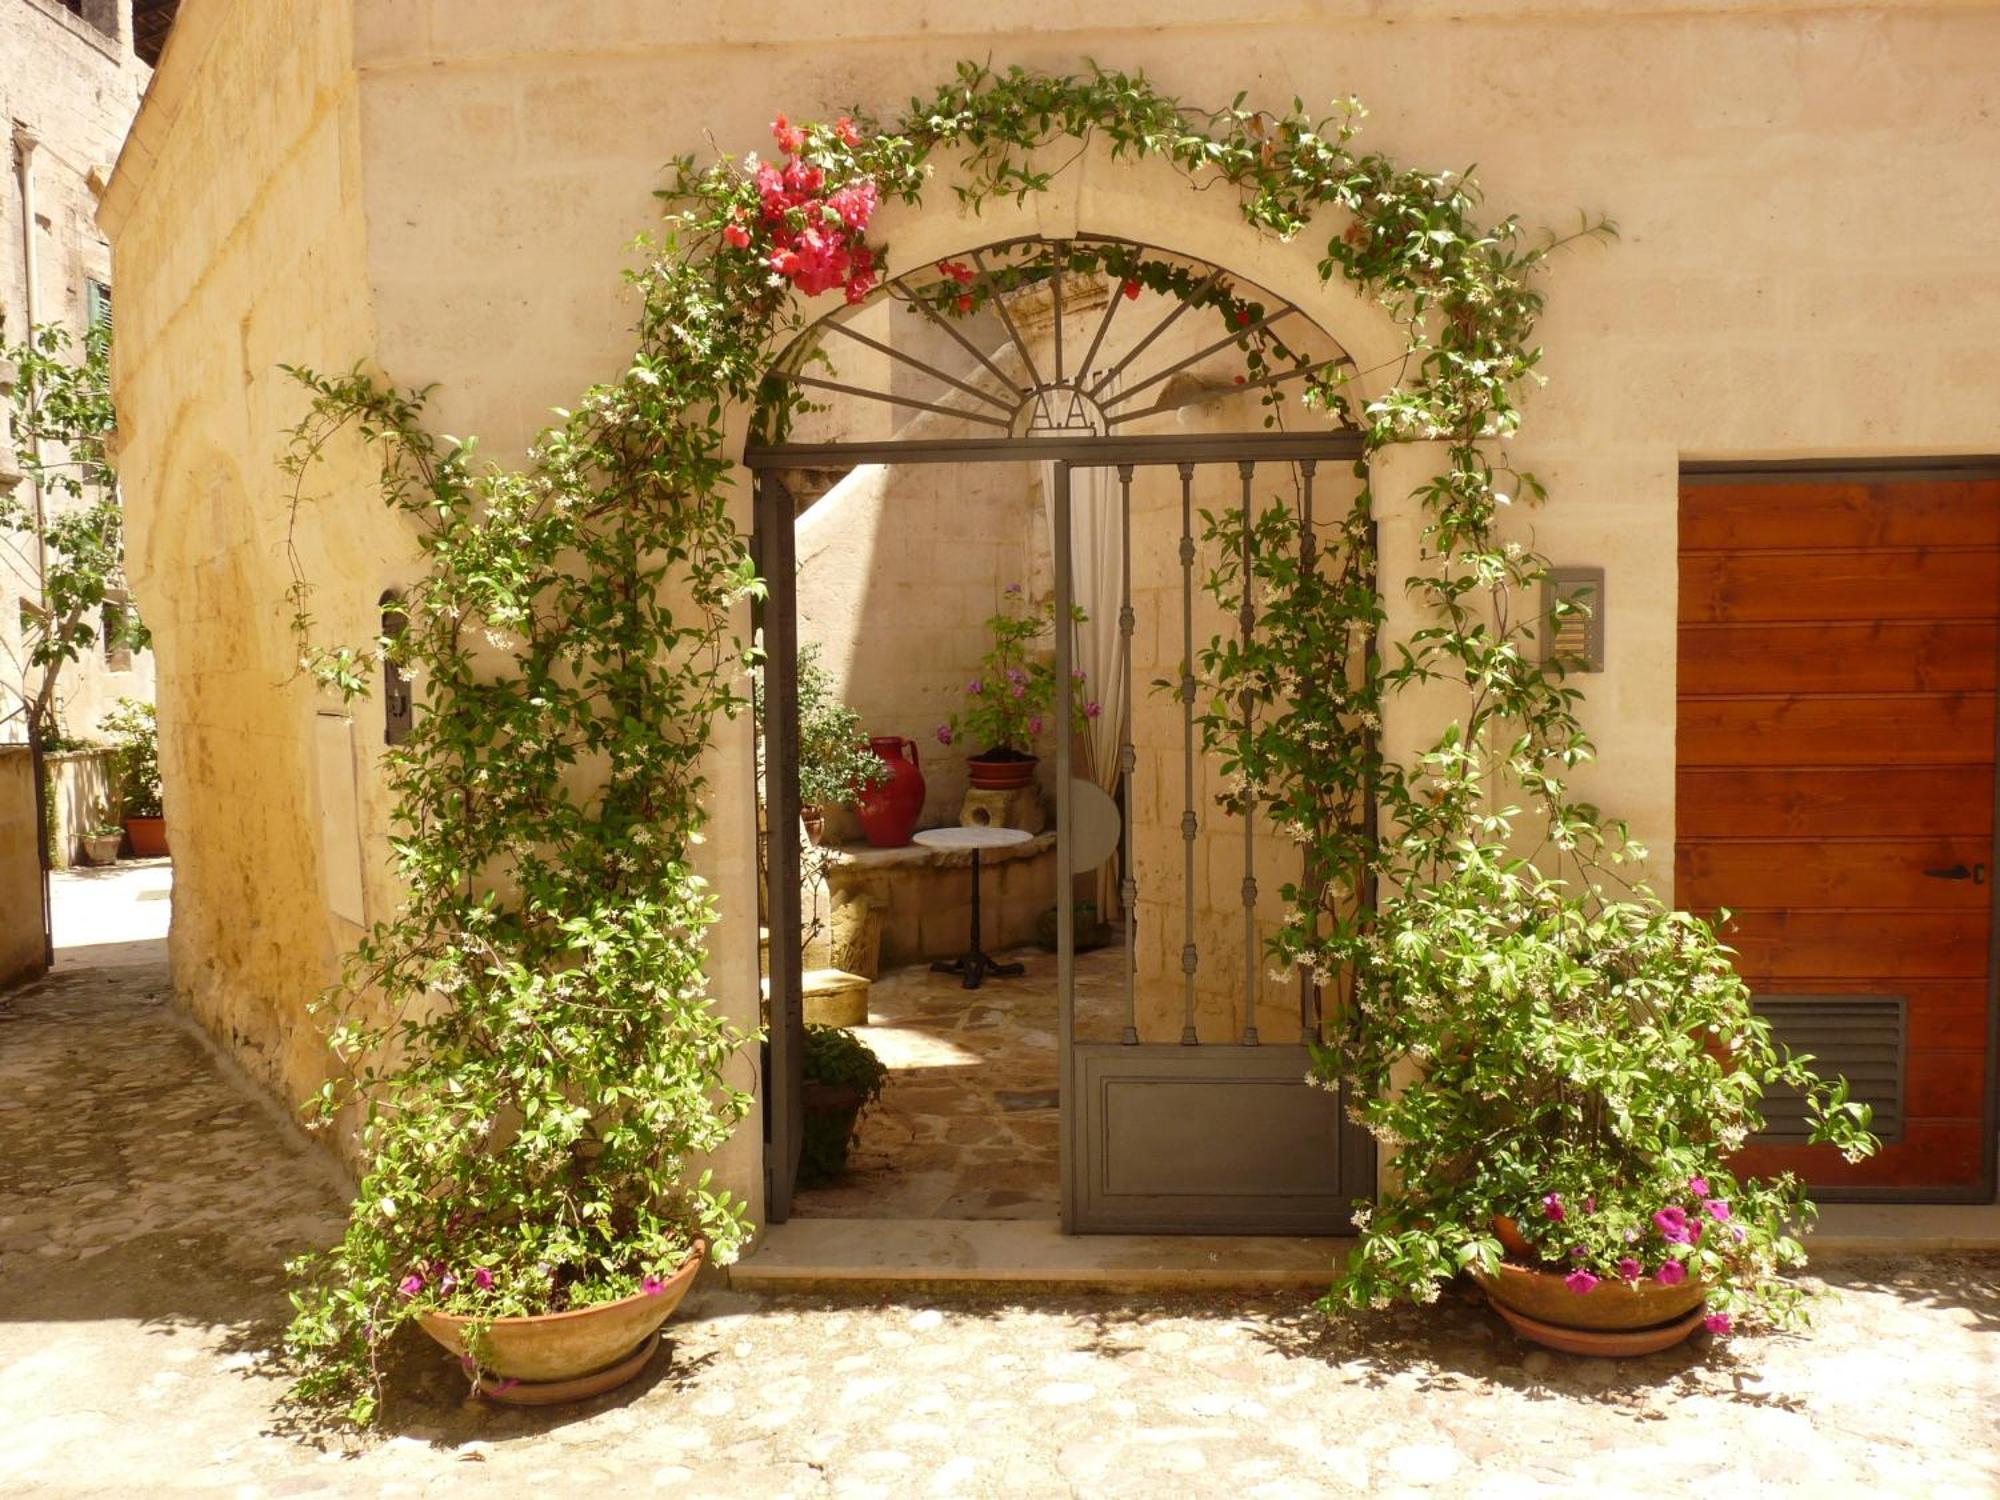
(147, 1201)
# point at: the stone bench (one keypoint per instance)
(892, 907)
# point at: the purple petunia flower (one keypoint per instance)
(1580, 1281)
(1718, 1209)
(1698, 1186)
(1629, 1269)
(1552, 1205)
(1673, 1273)
(1717, 1323)
(976, 686)
(447, 1284)
(483, 1279)
(1672, 1222)
(410, 1285)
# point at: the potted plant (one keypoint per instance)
(133, 728)
(843, 1076)
(1564, 1079)
(1010, 700)
(100, 844)
(836, 763)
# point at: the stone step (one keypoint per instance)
(971, 1254)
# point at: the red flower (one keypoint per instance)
(965, 302)
(737, 236)
(1242, 317)
(791, 140)
(844, 128)
(957, 270)
(1131, 289)
(1242, 379)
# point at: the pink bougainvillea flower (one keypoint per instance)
(957, 270)
(1718, 1208)
(1034, 724)
(1629, 1269)
(1580, 1281)
(736, 236)
(1718, 1323)
(652, 1286)
(1672, 1222)
(1131, 289)
(791, 140)
(410, 1285)
(1552, 1206)
(1020, 690)
(1092, 710)
(1698, 1186)
(844, 128)
(483, 1279)
(1673, 1273)
(976, 686)
(944, 734)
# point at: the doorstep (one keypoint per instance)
(970, 1254)
(1904, 1228)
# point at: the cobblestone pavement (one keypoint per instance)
(146, 1201)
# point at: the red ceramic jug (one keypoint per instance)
(890, 809)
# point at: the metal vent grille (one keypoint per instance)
(1856, 1037)
(1578, 640)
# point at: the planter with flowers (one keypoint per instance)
(133, 729)
(1572, 1077)
(837, 765)
(1010, 700)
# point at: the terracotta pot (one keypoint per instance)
(1601, 1343)
(889, 810)
(1610, 1306)
(1511, 1239)
(1010, 775)
(148, 837)
(569, 1346)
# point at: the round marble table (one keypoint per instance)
(976, 964)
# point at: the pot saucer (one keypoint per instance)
(581, 1388)
(1602, 1343)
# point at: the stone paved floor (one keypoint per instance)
(967, 1124)
(146, 1201)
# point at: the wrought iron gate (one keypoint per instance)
(1205, 1133)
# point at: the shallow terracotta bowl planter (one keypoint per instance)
(569, 1346)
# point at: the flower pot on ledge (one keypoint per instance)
(1002, 770)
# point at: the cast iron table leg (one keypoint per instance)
(977, 963)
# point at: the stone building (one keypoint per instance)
(71, 76)
(1768, 430)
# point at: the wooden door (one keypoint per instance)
(1835, 773)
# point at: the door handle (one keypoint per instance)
(1974, 873)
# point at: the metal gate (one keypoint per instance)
(1203, 1134)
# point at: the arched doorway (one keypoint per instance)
(1150, 389)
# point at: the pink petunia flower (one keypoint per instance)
(483, 1279)
(652, 1286)
(410, 1285)
(1698, 1186)
(1672, 1222)
(1552, 1206)
(1718, 1323)
(1580, 1282)
(1629, 1269)
(1673, 1273)
(1718, 1209)
(447, 1284)
(944, 734)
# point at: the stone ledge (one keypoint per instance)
(863, 858)
(1007, 1254)
(1904, 1228)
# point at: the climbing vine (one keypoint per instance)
(530, 1045)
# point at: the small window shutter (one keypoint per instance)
(97, 299)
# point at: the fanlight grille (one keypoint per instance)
(1033, 337)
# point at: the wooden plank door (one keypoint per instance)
(1835, 762)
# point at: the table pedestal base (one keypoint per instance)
(975, 966)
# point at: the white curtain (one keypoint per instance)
(1096, 544)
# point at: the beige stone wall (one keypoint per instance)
(21, 947)
(73, 84)
(240, 243)
(1804, 270)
